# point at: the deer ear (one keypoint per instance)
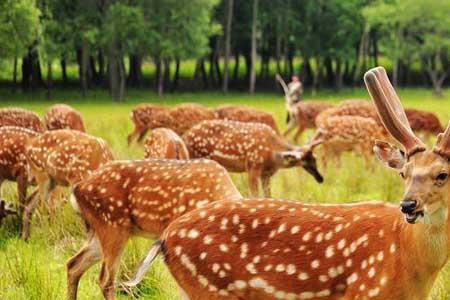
(390, 155)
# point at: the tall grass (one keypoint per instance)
(36, 270)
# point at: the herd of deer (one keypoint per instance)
(219, 245)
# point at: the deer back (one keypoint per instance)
(13, 161)
(165, 143)
(20, 117)
(145, 195)
(425, 121)
(307, 111)
(245, 114)
(149, 116)
(234, 145)
(62, 116)
(186, 115)
(67, 155)
(275, 249)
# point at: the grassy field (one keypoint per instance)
(36, 270)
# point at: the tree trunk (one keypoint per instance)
(176, 76)
(101, 65)
(135, 73)
(49, 79)
(31, 70)
(395, 73)
(360, 61)
(15, 74)
(64, 70)
(316, 76)
(329, 71)
(278, 47)
(227, 45)
(166, 72)
(338, 75)
(375, 48)
(84, 66)
(236, 66)
(116, 71)
(93, 70)
(162, 71)
(253, 53)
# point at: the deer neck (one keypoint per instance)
(426, 250)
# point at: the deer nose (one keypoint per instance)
(408, 206)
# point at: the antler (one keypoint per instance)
(390, 110)
(442, 146)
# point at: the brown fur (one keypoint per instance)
(245, 114)
(423, 122)
(348, 133)
(13, 162)
(164, 143)
(61, 158)
(127, 198)
(304, 115)
(276, 249)
(178, 118)
(62, 116)
(20, 117)
(352, 107)
(248, 147)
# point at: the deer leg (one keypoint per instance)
(265, 180)
(142, 135)
(132, 136)
(30, 206)
(253, 176)
(22, 184)
(113, 243)
(80, 263)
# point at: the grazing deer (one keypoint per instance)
(5, 210)
(13, 116)
(61, 158)
(127, 198)
(164, 143)
(303, 115)
(339, 134)
(144, 117)
(13, 162)
(352, 107)
(186, 115)
(249, 147)
(275, 249)
(62, 116)
(179, 118)
(242, 113)
(423, 122)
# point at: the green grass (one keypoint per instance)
(36, 270)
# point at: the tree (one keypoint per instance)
(19, 27)
(227, 45)
(253, 57)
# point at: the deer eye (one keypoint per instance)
(442, 176)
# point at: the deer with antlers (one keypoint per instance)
(249, 147)
(61, 158)
(242, 113)
(127, 198)
(62, 116)
(13, 162)
(165, 143)
(278, 249)
(14, 116)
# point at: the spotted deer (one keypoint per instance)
(423, 122)
(128, 198)
(249, 147)
(62, 116)
(14, 116)
(179, 118)
(164, 143)
(303, 115)
(339, 134)
(351, 107)
(61, 158)
(13, 162)
(146, 116)
(278, 249)
(242, 113)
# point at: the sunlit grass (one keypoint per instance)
(36, 270)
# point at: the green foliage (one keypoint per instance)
(19, 24)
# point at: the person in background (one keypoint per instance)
(295, 90)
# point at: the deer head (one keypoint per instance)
(302, 157)
(424, 171)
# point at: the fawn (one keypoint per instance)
(62, 116)
(13, 116)
(164, 143)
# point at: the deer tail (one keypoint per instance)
(156, 248)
